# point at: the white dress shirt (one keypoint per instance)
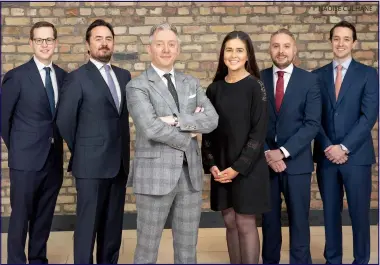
(42, 71)
(161, 74)
(102, 71)
(287, 73)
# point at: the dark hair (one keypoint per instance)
(97, 23)
(344, 24)
(42, 24)
(250, 65)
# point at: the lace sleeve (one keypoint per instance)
(259, 119)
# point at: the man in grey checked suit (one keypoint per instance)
(169, 109)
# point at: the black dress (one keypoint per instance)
(238, 142)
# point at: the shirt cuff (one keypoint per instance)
(286, 153)
(344, 148)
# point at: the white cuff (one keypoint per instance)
(286, 153)
(344, 148)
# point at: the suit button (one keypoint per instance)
(336, 114)
(51, 140)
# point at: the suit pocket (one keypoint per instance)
(90, 141)
(147, 154)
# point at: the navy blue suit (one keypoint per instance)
(35, 159)
(293, 127)
(98, 137)
(347, 121)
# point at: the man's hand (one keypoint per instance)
(199, 109)
(227, 175)
(335, 154)
(278, 166)
(274, 156)
(168, 120)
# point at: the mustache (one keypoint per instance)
(104, 48)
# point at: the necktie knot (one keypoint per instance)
(47, 69)
(280, 73)
(107, 67)
(339, 67)
(167, 76)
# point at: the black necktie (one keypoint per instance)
(49, 89)
(172, 89)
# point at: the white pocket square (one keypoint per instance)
(192, 96)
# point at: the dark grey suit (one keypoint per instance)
(97, 135)
(161, 181)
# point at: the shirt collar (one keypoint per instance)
(160, 72)
(98, 64)
(41, 66)
(287, 70)
(345, 64)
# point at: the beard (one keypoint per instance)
(101, 56)
(282, 64)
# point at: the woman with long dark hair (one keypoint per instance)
(234, 152)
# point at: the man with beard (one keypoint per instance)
(30, 93)
(344, 149)
(93, 120)
(294, 121)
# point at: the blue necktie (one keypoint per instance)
(112, 86)
(49, 89)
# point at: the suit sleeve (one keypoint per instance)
(147, 122)
(321, 137)
(201, 122)
(208, 160)
(311, 123)
(369, 113)
(10, 95)
(256, 138)
(68, 109)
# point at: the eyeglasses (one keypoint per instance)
(48, 41)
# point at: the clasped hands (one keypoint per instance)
(275, 160)
(224, 176)
(171, 121)
(336, 154)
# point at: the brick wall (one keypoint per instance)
(202, 27)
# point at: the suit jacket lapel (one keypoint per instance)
(182, 89)
(122, 85)
(158, 85)
(96, 77)
(268, 77)
(329, 83)
(60, 77)
(35, 77)
(349, 78)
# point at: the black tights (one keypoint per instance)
(242, 237)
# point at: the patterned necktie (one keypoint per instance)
(49, 89)
(172, 89)
(279, 90)
(111, 85)
(338, 80)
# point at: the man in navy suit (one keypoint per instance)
(294, 121)
(30, 94)
(343, 148)
(93, 120)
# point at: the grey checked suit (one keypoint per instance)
(161, 181)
